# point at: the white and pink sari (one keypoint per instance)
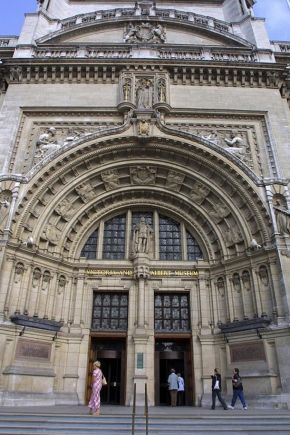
(95, 400)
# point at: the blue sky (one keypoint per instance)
(276, 12)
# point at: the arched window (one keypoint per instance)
(112, 240)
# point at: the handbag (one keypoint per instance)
(104, 381)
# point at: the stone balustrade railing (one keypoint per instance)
(125, 51)
(200, 20)
(281, 46)
(8, 42)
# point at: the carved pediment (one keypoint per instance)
(162, 26)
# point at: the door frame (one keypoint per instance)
(188, 366)
(110, 336)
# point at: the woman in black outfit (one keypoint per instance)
(216, 390)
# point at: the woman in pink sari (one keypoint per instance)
(95, 400)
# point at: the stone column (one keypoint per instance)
(141, 336)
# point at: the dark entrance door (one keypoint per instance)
(172, 354)
(111, 354)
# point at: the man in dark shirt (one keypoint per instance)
(238, 390)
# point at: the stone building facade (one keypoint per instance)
(144, 196)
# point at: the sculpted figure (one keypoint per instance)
(174, 181)
(127, 89)
(234, 140)
(144, 128)
(52, 234)
(47, 143)
(111, 179)
(85, 191)
(282, 218)
(131, 33)
(5, 200)
(65, 209)
(199, 193)
(144, 94)
(158, 33)
(141, 237)
(161, 91)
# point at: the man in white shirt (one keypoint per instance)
(180, 391)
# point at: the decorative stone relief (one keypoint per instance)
(199, 193)
(66, 209)
(174, 181)
(235, 142)
(61, 284)
(145, 32)
(46, 280)
(36, 277)
(143, 175)
(86, 192)
(110, 179)
(143, 128)
(219, 212)
(47, 143)
(232, 236)
(221, 287)
(52, 234)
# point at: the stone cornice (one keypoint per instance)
(194, 73)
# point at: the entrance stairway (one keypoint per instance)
(162, 421)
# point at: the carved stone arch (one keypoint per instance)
(86, 161)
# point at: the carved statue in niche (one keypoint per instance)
(174, 181)
(19, 270)
(246, 280)
(65, 209)
(61, 284)
(52, 234)
(161, 87)
(86, 192)
(282, 215)
(47, 143)
(36, 277)
(46, 280)
(221, 287)
(199, 193)
(143, 175)
(111, 179)
(264, 277)
(127, 89)
(144, 94)
(5, 201)
(236, 283)
(141, 237)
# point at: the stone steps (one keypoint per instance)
(231, 424)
